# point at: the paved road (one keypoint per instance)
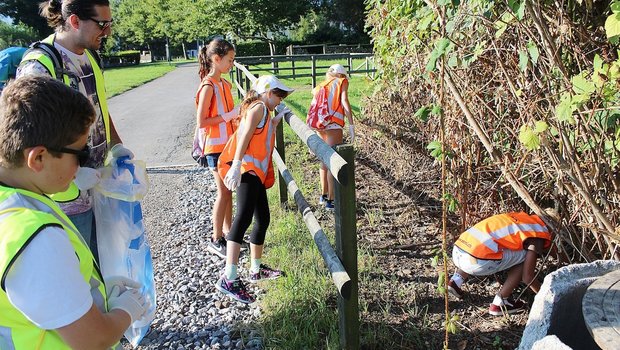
(156, 120)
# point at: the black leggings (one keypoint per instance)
(251, 201)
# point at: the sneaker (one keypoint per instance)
(265, 273)
(322, 199)
(510, 307)
(218, 247)
(234, 289)
(329, 205)
(455, 290)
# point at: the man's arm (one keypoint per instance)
(114, 137)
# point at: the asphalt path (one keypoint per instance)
(156, 120)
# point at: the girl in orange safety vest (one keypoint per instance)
(215, 112)
(245, 164)
(510, 241)
(337, 85)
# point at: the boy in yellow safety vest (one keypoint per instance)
(52, 295)
(511, 241)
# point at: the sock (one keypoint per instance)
(458, 279)
(499, 301)
(255, 265)
(230, 271)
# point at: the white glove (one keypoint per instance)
(122, 282)
(131, 301)
(119, 150)
(228, 116)
(233, 177)
(86, 178)
(351, 133)
(280, 115)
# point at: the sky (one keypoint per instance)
(5, 19)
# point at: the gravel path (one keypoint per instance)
(191, 314)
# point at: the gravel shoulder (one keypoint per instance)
(191, 314)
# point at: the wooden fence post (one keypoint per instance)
(280, 149)
(293, 66)
(346, 248)
(350, 61)
(248, 83)
(313, 71)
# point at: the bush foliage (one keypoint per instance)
(529, 95)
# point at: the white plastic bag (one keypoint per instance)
(122, 243)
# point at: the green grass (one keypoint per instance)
(119, 80)
(299, 311)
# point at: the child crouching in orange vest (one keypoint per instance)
(245, 165)
(501, 242)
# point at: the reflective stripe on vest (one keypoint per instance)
(23, 215)
(334, 103)
(487, 239)
(216, 136)
(73, 192)
(257, 157)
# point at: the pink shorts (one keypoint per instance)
(479, 267)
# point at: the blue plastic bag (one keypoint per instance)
(121, 238)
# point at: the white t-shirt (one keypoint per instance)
(83, 80)
(45, 282)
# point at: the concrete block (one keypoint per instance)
(550, 342)
(557, 307)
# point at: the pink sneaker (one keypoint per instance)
(510, 307)
(455, 290)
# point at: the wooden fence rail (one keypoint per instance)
(341, 262)
(312, 70)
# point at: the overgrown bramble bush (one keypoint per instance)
(531, 107)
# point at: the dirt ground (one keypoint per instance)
(399, 226)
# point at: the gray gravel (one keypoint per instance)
(191, 313)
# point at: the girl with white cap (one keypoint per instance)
(336, 85)
(245, 165)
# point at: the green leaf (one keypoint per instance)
(581, 85)
(423, 113)
(615, 7)
(533, 51)
(442, 46)
(564, 110)
(436, 110)
(523, 60)
(612, 25)
(529, 138)
(435, 149)
(540, 126)
(518, 7)
(598, 64)
(501, 27)
(444, 2)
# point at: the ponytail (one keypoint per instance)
(217, 46)
(52, 11)
(250, 97)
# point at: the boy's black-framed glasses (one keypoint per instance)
(82, 154)
(103, 25)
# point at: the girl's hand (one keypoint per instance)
(280, 115)
(233, 177)
(351, 133)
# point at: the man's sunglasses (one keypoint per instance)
(103, 25)
(82, 155)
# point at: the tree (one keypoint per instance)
(16, 35)
(255, 19)
(26, 12)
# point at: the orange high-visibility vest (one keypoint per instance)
(334, 101)
(215, 136)
(257, 157)
(487, 239)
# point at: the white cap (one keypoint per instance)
(267, 82)
(339, 69)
